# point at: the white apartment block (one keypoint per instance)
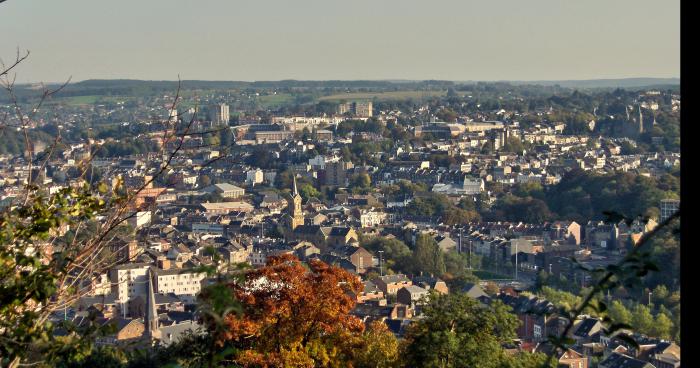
(129, 281)
(254, 176)
(371, 218)
(219, 113)
(184, 283)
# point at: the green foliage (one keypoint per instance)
(642, 319)
(427, 256)
(513, 144)
(396, 256)
(438, 205)
(308, 191)
(663, 327)
(459, 332)
(29, 276)
(619, 313)
(360, 183)
(512, 208)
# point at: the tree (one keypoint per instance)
(293, 315)
(455, 216)
(659, 294)
(642, 320)
(513, 144)
(378, 347)
(360, 183)
(427, 256)
(204, 181)
(396, 254)
(663, 327)
(619, 313)
(308, 191)
(457, 331)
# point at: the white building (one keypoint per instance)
(371, 218)
(129, 281)
(184, 283)
(219, 113)
(468, 187)
(254, 176)
(142, 218)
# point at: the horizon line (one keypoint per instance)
(360, 80)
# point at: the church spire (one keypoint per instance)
(295, 193)
(150, 319)
(295, 212)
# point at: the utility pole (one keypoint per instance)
(516, 261)
(381, 270)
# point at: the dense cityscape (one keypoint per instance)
(307, 184)
(474, 189)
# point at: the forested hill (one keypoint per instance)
(133, 87)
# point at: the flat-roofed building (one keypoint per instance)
(226, 190)
(220, 208)
(186, 284)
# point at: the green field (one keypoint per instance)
(382, 96)
(87, 100)
(275, 100)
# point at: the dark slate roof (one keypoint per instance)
(347, 250)
(527, 305)
(370, 287)
(307, 229)
(178, 316)
(414, 290)
(397, 326)
(585, 327)
(339, 231)
(338, 261)
(426, 280)
(388, 279)
(617, 360)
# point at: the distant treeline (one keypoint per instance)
(137, 88)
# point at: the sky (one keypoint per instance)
(248, 40)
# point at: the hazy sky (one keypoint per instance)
(333, 39)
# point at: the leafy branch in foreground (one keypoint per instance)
(628, 272)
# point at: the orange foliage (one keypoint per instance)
(294, 316)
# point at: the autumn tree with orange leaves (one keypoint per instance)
(295, 316)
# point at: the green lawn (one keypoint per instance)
(275, 100)
(87, 100)
(382, 96)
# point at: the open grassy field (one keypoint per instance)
(382, 96)
(87, 100)
(275, 100)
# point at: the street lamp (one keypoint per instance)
(381, 271)
(516, 261)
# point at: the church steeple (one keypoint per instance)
(150, 319)
(295, 211)
(295, 192)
